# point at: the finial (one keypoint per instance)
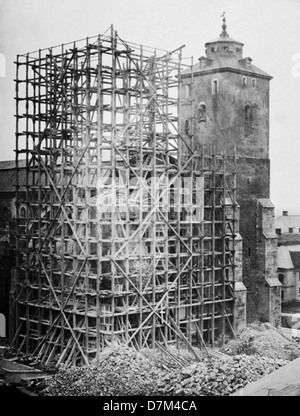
(224, 34)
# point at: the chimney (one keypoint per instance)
(285, 213)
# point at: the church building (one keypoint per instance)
(229, 97)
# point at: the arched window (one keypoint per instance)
(214, 86)
(201, 115)
(248, 112)
(244, 81)
(187, 127)
(248, 119)
(253, 82)
(255, 114)
(22, 212)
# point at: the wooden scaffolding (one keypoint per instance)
(128, 235)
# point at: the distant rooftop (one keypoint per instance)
(288, 239)
(287, 223)
(11, 164)
(8, 175)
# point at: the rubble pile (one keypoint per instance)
(218, 377)
(124, 372)
(265, 340)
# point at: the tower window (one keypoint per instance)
(187, 127)
(238, 49)
(214, 48)
(22, 212)
(281, 278)
(226, 48)
(290, 230)
(201, 115)
(187, 91)
(248, 116)
(244, 81)
(248, 119)
(253, 82)
(215, 86)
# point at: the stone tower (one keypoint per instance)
(229, 98)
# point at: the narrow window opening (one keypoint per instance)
(215, 86)
(290, 230)
(247, 113)
(253, 82)
(248, 120)
(187, 127)
(201, 116)
(244, 81)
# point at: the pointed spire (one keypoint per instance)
(224, 34)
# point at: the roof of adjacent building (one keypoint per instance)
(288, 239)
(295, 256)
(11, 164)
(8, 175)
(288, 221)
(284, 257)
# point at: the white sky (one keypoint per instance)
(270, 30)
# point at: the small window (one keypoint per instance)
(187, 127)
(214, 48)
(253, 82)
(226, 48)
(248, 120)
(215, 86)
(22, 212)
(278, 231)
(238, 49)
(201, 116)
(290, 230)
(187, 91)
(281, 278)
(282, 294)
(248, 113)
(249, 251)
(244, 81)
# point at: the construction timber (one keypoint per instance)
(123, 233)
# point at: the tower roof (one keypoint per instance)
(225, 54)
(224, 36)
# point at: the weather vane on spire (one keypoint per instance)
(224, 26)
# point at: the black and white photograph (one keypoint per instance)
(149, 201)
